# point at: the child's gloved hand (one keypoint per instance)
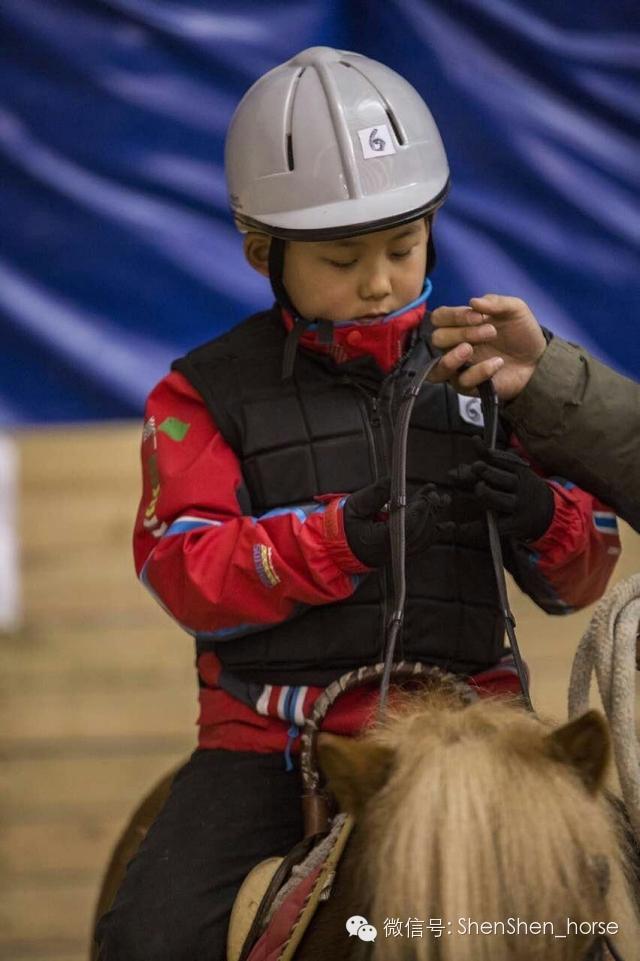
(504, 483)
(367, 528)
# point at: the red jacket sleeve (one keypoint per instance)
(219, 572)
(570, 565)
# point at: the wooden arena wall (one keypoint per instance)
(99, 693)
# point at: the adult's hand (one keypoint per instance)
(497, 336)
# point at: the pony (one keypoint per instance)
(481, 834)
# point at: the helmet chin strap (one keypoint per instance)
(276, 276)
(325, 327)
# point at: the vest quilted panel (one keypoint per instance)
(330, 431)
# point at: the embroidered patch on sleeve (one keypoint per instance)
(149, 431)
(263, 560)
(150, 464)
(174, 428)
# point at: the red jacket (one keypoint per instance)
(213, 569)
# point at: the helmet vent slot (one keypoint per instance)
(393, 120)
(292, 97)
(395, 126)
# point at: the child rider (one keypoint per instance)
(265, 454)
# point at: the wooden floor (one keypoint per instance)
(99, 695)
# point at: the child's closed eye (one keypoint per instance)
(339, 263)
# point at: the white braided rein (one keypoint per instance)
(609, 646)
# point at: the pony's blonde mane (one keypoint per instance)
(477, 821)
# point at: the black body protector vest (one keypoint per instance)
(329, 430)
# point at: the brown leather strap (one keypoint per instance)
(402, 671)
(295, 856)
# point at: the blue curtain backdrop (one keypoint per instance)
(117, 251)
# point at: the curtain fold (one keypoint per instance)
(117, 251)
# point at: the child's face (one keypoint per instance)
(359, 278)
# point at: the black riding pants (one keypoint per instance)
(226, 812)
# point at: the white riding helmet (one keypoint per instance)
(332, 144)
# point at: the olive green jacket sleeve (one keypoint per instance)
(580, 419)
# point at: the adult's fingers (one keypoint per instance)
(447, 337)
(498, 305)
(469, 380)
(463, 316)
(450, 364)
(456, 325)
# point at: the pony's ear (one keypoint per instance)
(355, 769)
(585, 745)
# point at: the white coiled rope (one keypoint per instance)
(609, 646)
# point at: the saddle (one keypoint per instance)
(279, 897)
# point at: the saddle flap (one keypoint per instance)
(246, 904)
(294, 911)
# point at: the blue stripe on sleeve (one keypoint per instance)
(563, 482)
(184, 524)
(301, 511)
(605, 521)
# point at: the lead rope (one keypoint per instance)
(416, 369)
(608, 646)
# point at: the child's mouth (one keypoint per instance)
(368, 318)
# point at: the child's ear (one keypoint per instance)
(256, 250)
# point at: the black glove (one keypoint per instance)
(368, 533)
(504, 483)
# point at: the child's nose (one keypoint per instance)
(375, 284)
